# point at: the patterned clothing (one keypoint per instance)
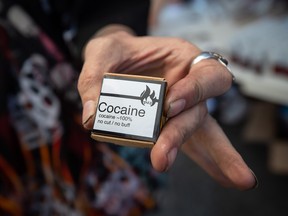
(48, 163)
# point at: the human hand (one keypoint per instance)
(188, 87)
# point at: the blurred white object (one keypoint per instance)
(246, 8)
(260, 52)
(259, 40)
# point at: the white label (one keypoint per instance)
(128, 107)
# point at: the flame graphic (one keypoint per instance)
(147, 97)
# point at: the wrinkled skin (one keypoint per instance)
(189, 126)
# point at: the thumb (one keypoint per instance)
(89, 85)
(103, 54)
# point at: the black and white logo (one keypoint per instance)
(147, 97)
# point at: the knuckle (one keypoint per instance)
(86, 80)
(224, 74)
(100, 41)
(186, 47)
(198, 92)
(181, 133)
(173, 137)
(203, 112)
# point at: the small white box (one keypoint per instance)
(130, 110)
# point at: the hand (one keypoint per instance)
(185, 106)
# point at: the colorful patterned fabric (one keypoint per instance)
(49, 165)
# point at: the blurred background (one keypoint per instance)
(252, 34)
(50, 166)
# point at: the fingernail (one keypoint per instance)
(88, 112)
(256, 180)
(171, 155)
(176, 107)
